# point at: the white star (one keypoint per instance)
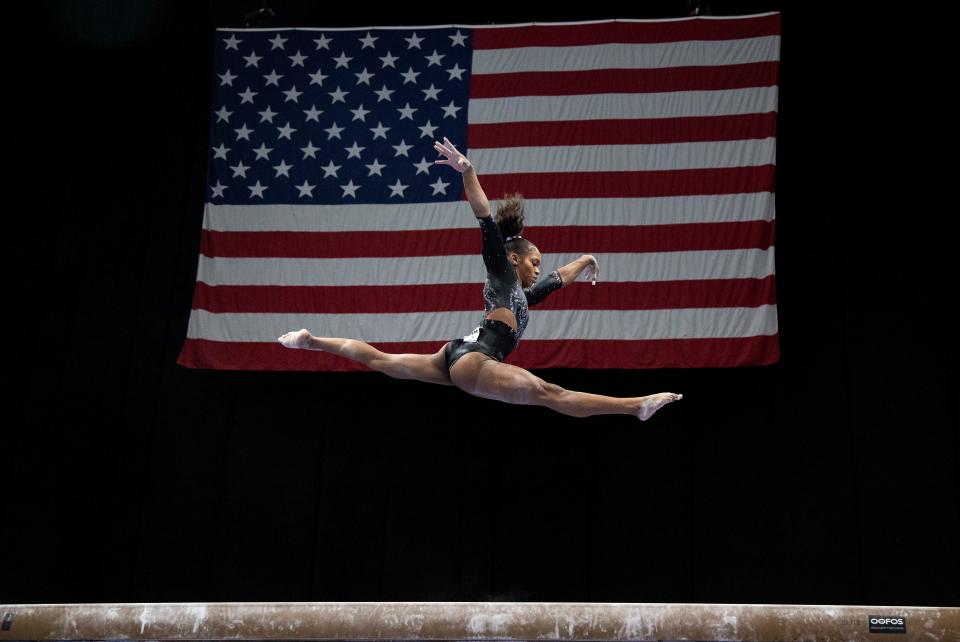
(339, 95)
(384, 94)
(368, 41)
(323, 42)
(305, 190)
(434, 58)
(272, 78)
(439, 187)
(406, 112)
(292, 94)
(277, 42)
(223, 114)
(257, 189)
(450, 110)
(252, 59)
(309, 150)
(263, 152)
(296, 60)
(342, 60)
(428, 130)
(360, 113)
(220, 152)
(317, 78)
(226, 79)
(389, 59)
(247, 96)
(350, 188)
(431, 93)
(218, 189)
(232, 42)
(239, 169)
(364, 77)
(410, 76)
(243, 132)
(375, 168)
(266, 116)
(402, 148)
(285, 131)
(379, 131)
(413, 41)
(313, 113)
(457, 39)
(397, 189)
(423, 166)
(334, 131)
(456, 71)
(282, 168)
(354, 150)
(330, 170)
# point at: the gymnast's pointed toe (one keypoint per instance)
(296, 339)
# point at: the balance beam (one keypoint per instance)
(477, 621)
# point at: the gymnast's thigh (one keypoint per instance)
(483, 376)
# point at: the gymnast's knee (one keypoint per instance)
(545, 392)
(387, 363)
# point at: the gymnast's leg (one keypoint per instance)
(430, 368)
(483, 376)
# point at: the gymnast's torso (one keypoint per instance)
(501, 290)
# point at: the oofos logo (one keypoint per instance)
(887, 624)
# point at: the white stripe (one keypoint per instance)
(723, 208)
(469, 268)
(687, 323)
(626, 158)
(671, 104)
(685, 53)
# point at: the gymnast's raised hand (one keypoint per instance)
(454, 159)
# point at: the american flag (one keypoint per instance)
(647, 143)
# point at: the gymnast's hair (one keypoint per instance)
(510, 221)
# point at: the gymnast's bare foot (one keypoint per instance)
(653, 403)
(298, 339)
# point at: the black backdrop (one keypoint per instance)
(830, 477)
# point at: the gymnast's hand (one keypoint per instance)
(454, 159)
(592, 271)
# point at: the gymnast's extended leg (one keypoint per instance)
(430, 368)
(483, 376)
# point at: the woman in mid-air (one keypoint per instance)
(475, 363)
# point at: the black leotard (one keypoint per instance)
(502, 290)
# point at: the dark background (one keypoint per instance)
(830, 477)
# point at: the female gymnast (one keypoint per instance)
(475, 363)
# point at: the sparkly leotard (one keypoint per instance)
(502, 290)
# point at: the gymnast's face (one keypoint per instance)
(528, 267)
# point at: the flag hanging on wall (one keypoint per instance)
(650, 144)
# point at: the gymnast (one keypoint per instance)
(475, 363)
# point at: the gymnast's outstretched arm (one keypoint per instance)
(571, 271)
(561, 278)
(471, 184)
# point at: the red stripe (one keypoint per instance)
(679, 182)
(626, 32)
(651, 131)
(623, 81)
(450, 297)
(672, 353)
(598, 238)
